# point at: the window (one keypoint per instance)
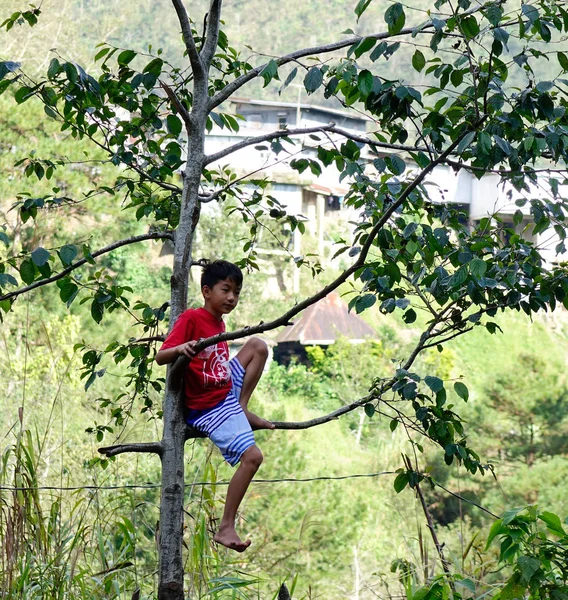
(333, 203)
(282, 120)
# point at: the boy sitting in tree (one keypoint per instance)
(217, 390)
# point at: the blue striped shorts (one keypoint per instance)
(225, 424)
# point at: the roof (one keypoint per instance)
(324, 322)
(302, 106)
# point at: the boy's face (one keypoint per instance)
(222, 298)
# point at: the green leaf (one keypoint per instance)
(544, 86)
(68, 290)
(456, 78)
(269, 72)
(434, 383)
(528, 566)
(495, 530)
(461, 390)
(125, 57)
(400, 482)
(101, 53)
(494, 13)
(361, 7)
(365, 82)
(369, 409)
(467, 583)
(174, 125)
(563, 60)
(289, 79)
(393, 424)
(313, 79)
(67, 253)
(477, 267)
(398, 165)
(418, 61)
(395, 18)
(7, 279)
(8, 67)
(484, 142)
(363, 46)
(97, 310)
(409, 316)
(4, 238)
(40, 256)
(470, 27)
(27, 271)
(531, 12)
(364, 302)
(465, 142)
(552, 522)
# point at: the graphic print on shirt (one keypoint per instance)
(216, 371)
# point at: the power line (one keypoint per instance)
(126, 486)
(142, 486)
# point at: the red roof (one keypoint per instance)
(324, 322)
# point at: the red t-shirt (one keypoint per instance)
(208, 377)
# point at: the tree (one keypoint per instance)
(410, 254)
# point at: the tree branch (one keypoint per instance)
(232, 87)
(212, 35)
(194, 58)
(326, 418)
(132, 240)
(150, 447)
(249, 141)
(178, 105)
(286, 317)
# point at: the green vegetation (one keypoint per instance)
(478, 422)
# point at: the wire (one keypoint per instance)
(189, 485)
(146, 486)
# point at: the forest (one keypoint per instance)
(444, 475)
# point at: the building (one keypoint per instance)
(321, 324)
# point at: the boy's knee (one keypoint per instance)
(252, 457)
(259, 347)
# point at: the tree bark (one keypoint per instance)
(170, 586)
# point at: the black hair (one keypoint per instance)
(218, 270)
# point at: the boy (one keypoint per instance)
(217, 390)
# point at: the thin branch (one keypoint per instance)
(132, 240)
(326, 418)
(447, 339)
(150, 447)
(152, 338)
(305, 131)
(249, 141)
(467, 500)
(232, 87)
(178, 105)
(430, 522)
(528, 170)
(212, 35)
(421, 295)
(194, 58)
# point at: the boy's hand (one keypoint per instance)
(186, 349)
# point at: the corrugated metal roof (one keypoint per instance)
(324, 322)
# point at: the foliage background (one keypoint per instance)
(327, 534)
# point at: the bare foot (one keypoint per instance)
(257, 422)
(227, 536)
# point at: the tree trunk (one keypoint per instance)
(170, 538)
(171, 573)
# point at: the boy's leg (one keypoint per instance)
(252, 358)
(227, 535)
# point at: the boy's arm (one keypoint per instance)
(169, 355)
